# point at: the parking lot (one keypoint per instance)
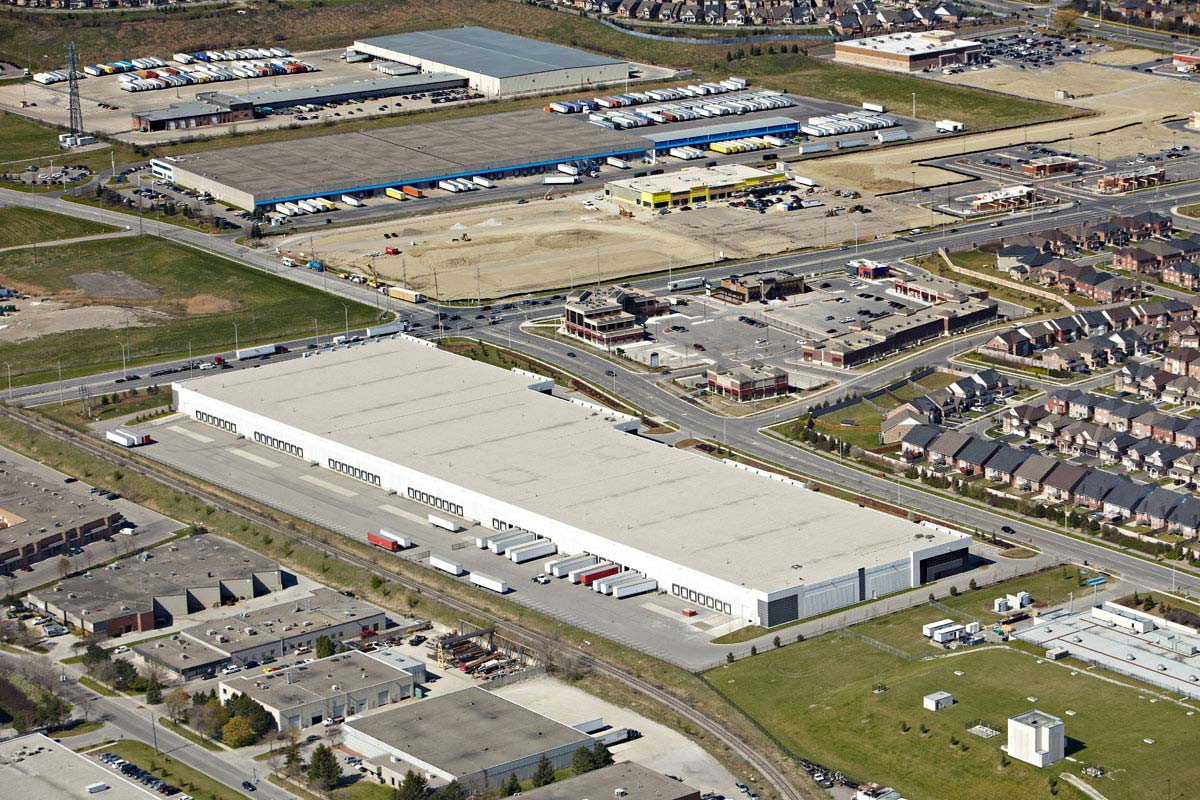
(652, 622)
(1029, 50)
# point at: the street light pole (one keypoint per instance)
(235, 339)
(8, 366)
(346, 314)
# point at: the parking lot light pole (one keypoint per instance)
(346, 315)
(235, 338)
(124, 374)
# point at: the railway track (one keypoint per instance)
(779, 781)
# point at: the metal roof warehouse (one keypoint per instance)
(444, 429)
(495, 62)
(421, 154)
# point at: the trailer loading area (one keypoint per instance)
(488, 445)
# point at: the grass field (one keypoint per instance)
(21, 139)
(20, 226)
(191, 781)
(182, 296)
(833, 717)
(859, 423)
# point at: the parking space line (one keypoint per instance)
(255, 457)
(199, 437)
(400, 512)
(333, 487)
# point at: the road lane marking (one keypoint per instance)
(255, 457)
(199, 437)
(333, 487)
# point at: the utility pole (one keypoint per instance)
(60, 384)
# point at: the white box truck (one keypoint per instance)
(949, 126)
(487, 582)
(568, 169)
(445, 524)
(446, 565)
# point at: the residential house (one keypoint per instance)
(1094, 487)
(1155, 507)
(1060, 484)
(1181, 361)
(1019, 419)
(1014, 342)
(1058, 401)
(1185, 274)
(1047, 429)
(945, 449)
(971, 458)
(1184, 519)
(1184, 333)
(1003, 464)
(915, 443)
(1030, 475)
(1185, 468)
(1184, 390)
(1136, 260)
(1189, 436)
(1157, 464)
(1115, 447)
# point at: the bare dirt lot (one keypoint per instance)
(512, 249)
(112, 284)
(36, 318)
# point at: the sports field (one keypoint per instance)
(157, 298)
(834, 716)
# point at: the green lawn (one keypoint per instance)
(191, 781)
(22, 139)
(20, 226)
(832, 715)
(186, 296)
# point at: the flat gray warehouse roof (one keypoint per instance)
(310, 683)
(639, 783)
(382, 157)
(27, 504)
(47, 769)
(466, 731)
(482, 428)
(322, 609)
(487, 52)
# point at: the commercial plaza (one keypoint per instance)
(479, 444)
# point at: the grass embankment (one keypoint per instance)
(21, 226)
(859, 424)
(835, 717)
(174, 297)
(190, 735)
(1190, 211)
(40, 39)
(191, 781)
(975, 262)
(111, 406)
(311, 562)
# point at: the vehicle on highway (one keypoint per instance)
(249, 787)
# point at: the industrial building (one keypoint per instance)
(265, 634)
(493, 448)
(609, 316)
(471, 736)
(161, 586)
(218, 108)
(39, 522)
(908, 51)
(688, 186)
(337, 686)
(699, 134)
(747, 382)
(627, 780)
(1036, 738)
(34, 766)
(496, 145)
(497, 63)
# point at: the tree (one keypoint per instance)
(582, 762)
(512, 785)
(260, 720)
(176, 703)
(543, 775)
(323, 769)
(94, 654)
(600, 755)
(64, 567)
(1066, 20)
(238, 733)
(777, 642)
(210, 718)
(452, 791)
(323, 647)
(154, 694)
(413, 787)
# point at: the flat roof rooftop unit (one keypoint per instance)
(35, 767)
(424, 422)
(627, 780)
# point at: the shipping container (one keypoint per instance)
(634, 588)
(686, 283)
(386, 540)
(803, 181)
(568, 169)
(407, 295)
(613, 161)
(501, 544)
(446, 565)
(873, 107)
(528, 552)
(556, 180)
(126, 438)
(323, 203)
(561, 567)
(484, 182)
(610, 738)
(928, 628)
(605, 585)
(412, 191)
(488, 582)
(351, 200)
(896, 135)
(445, 524)
(387, 329)
(949, 126)
(586, 575)
(449, 186)
(396, 194)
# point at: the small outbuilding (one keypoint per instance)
(938, 700)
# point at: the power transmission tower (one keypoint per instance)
(76, 110)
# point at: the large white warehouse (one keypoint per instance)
(497, 63)
(492, 447)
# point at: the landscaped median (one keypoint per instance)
(188, 780)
